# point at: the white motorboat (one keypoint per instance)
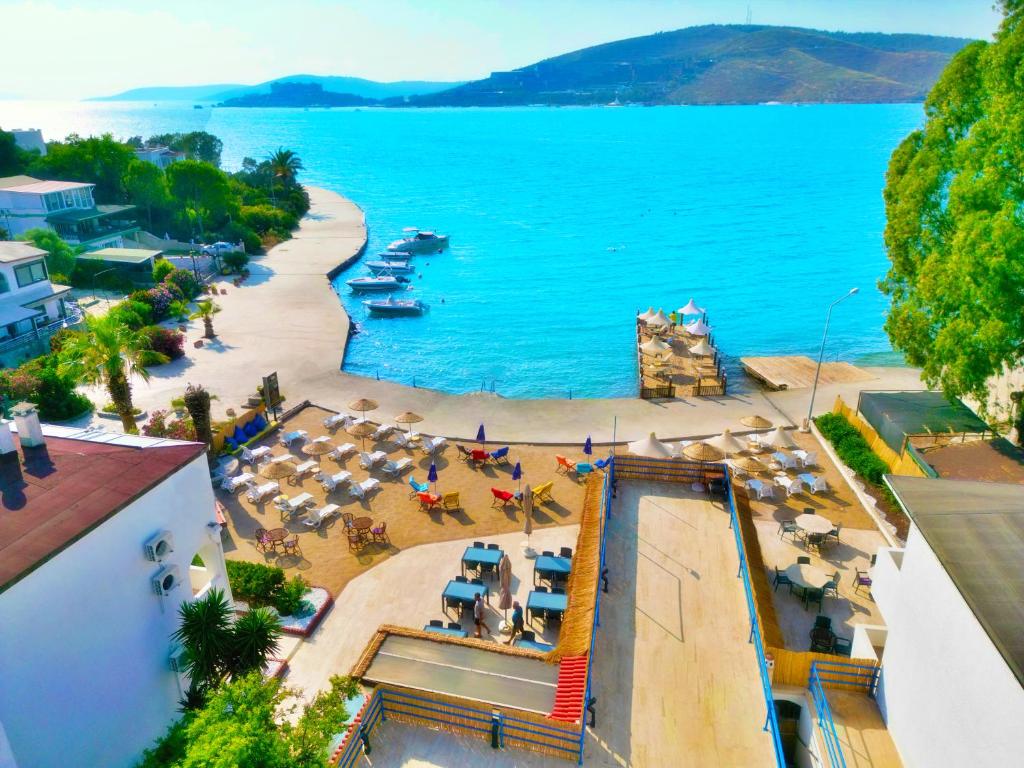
(390, 267)
(419, 241)
(377, 283)
(391, 307)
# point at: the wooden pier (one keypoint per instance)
(682, 374)
(797, 371)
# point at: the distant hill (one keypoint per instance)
(718, 64)
(356, 86)
(298, 94)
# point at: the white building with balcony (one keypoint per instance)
(31, 307)
(952, 645)
(66, 207)
(98, 531)
(159, 156)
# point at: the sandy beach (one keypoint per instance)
(287, 318)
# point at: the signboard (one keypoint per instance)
(271, 391)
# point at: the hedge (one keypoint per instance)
(854, 451)
(260, 585)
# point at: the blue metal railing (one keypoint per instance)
(826, 724)
(837, 674)
(771, 723)
(372, 715)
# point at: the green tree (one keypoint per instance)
(954, 233)
(13, 159)
(60, 257)
(146, 186)
(99, 160)
(198, 145)
(202, 191)
(109, 353)
(285, 165)
(205, 310)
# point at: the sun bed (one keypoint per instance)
(306, 468)
(370, 460)
(382, 431)
(232, 484)
(294, 504)
(500, 456)
(290, 437)
(342, 451)
(257, 493)
(330, 482)
(433, 445)
(359, 490)
(316, 518)
(395, 468)
(543, 491)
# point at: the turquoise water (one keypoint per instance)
(564, 222)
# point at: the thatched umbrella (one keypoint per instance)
(756, 422)
(650, 447)
(701, 451)
(749, 464)
(362, 431)
(528, 520)
(779, 438)
(363, 405)
(409, 418)
(277, 470)
(505, 580)
(727, 442)
(318, 447)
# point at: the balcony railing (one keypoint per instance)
(73, 316)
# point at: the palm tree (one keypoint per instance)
(256, 635)
(197, 401)
(109, 353)
(285, 164)
(206, 310)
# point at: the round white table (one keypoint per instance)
(807, 576)
(813, 523)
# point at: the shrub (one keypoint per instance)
(134, 314)
(254, 583)
(161, 269)
(289, 599)
(852, 448)
(160, 298)
(161, 424)
(184, 281)
(167, 342)
(235, 261)
(58, 339)
(266, 218)
(39, 382)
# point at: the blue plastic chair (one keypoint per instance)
(500, 456)
(417, 487)
(602, 463)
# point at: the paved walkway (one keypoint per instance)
(286, 318)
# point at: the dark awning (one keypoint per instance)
(86, 214)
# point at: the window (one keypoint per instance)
(54, 201)
(4, 286)
(69, 199)
(27, 274)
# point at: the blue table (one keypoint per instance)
(476, 556)
(542, 647)
(584, 468)
(446, 631)
(464, 592)
(546, 601)
(550, 567)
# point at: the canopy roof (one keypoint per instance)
(894, 415)
(651, 447)
(645, 316)
(690, 309)
(121, 255)
(656, 347)
(660, 318)
(976, 531)
(698, 328)
(702, 348)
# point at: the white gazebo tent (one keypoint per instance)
(698, 328)
(650, 447)
(659, 318)
(779, 438)
(690, 309)
(656, 348)
(702, 349)
(645, 316)
(727, 443)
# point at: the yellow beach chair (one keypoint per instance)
(450, 501)
(543, 491)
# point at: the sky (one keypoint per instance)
(71, 49)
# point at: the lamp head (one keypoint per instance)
(854, 290)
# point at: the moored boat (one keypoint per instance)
(395, 267)
(377, 283)
(394, 307)
(418, 241)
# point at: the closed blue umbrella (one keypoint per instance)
(517, 474)
(480, 436)
(588, 447)
(432, 475)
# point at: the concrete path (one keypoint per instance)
(287, 318)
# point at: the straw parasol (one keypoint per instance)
(409, 418)
(645, 316)
(363, 405)
(505, 580)
(277, 470)
(651, 447)
(698, 328)
(727, 442)
(528, 551)
(702, 349)
(691, 308)
(656, 348)
(779, 438)
(756, 422)
(660, 318)
(749, 464)
(701, 451)
(362, 431)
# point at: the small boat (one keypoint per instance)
(417, 241)
(377, 283)
(395, 255)
(393, 307)
(389, 266)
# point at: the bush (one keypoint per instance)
(235, 261)
(167, 342)
(58, 339)
(852, 448)
(161, 424)
(264, 219)
(261, 585)
(184, 281)
(159, 299)
(289, 600)
(134, 314)
(38, 381)
(161, 269)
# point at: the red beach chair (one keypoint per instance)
(479, 455)
(428, 500)
(501, 498)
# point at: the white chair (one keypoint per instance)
(434, 445)
(404, 440)
(342, 451)
(815, 483)
(359, 490)
(382, 431)
(257, 493)
(290, 437)
(807, 458)
(396, 468)
(316, 518)
(761, 490)
(255, 455)
(370, 460)
(330, 482)
(337, 420)
(793, 485)
(306, 468)
(284, 457)
(232, 484)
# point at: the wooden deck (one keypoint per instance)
(797, 372)
(865, 739)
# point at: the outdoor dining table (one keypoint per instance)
(277, 535)
(546, 601)
(813, 523)
(362, 524)
(464, 592)
(807, 576)
(476, 556)
(785, 459)
(533, 645)
(446, 631)
(549, 567)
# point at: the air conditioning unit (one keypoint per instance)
(178, 660)
(159, 546)
(166, 580)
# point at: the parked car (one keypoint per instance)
(217, 249)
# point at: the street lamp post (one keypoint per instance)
(806, 426)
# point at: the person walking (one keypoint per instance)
(478, 614)
(517, 622)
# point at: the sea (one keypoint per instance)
(566, 222)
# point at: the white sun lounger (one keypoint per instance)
(761, 490)
(294, 504)
(232, 484)
(395, 468)
(370, 460)
(342, 451)
(283, 458)
(290, 437)
(255, 455)
(382, 431)
(806, 458)
(310, 465)
(337, 420)
(317, 517)
(404, 440)
(359, 490)
(330, 482)
(257, 493)
(434, 444)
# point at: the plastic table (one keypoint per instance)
(546, 601)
